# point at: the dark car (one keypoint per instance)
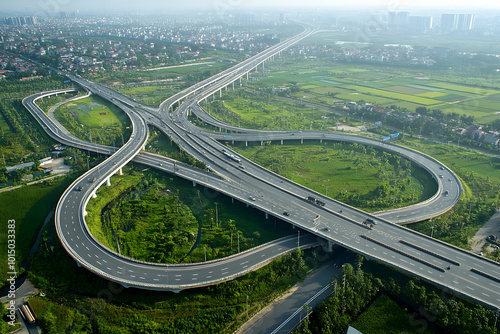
(286, 213)
(78, 188)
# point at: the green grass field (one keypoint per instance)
(344, 172)
(96, 120)
(37, 201)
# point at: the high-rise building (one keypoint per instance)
(20, 20)
(451, 22)
(420, 22)
(465, 21)
(400, 19)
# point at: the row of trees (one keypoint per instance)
(354, 290)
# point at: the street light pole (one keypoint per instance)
(216, 215)
(298, 238)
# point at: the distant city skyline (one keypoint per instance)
(54, 6)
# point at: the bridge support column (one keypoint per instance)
(233, 84)
(78, 264)
(225, 88)
(240, 81)
(232, 200)
(330, 246)
(247, 75)
(281, 141)
(321, 141)
(261, 142)
(267, 215)
(232, 142)
(246, 143)
(220, 92)
(120, 171)
(108, 181)
(94, 195)
(194, 183)
(302, 141)
(85, 213)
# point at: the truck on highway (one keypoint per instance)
(315, 201)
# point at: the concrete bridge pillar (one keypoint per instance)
(78, 264)
(194, 183)
(247, 75)
(261, 142)
(232, 142)
(246, 143)
(220, 92)
(267, 215)
(302, 141)
(233, 84)
(330, 246)
(94, 195)
(108, 181)
(85, 213)
(232, 200)
(321, 141)
(120, 171)
(281, 141)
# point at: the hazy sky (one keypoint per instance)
(54, 6)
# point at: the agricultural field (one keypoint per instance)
(382, 86)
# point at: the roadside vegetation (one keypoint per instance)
(420, 308)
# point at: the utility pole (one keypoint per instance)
(298, 238)
(216, 215)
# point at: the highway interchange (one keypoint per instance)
(453, 269)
